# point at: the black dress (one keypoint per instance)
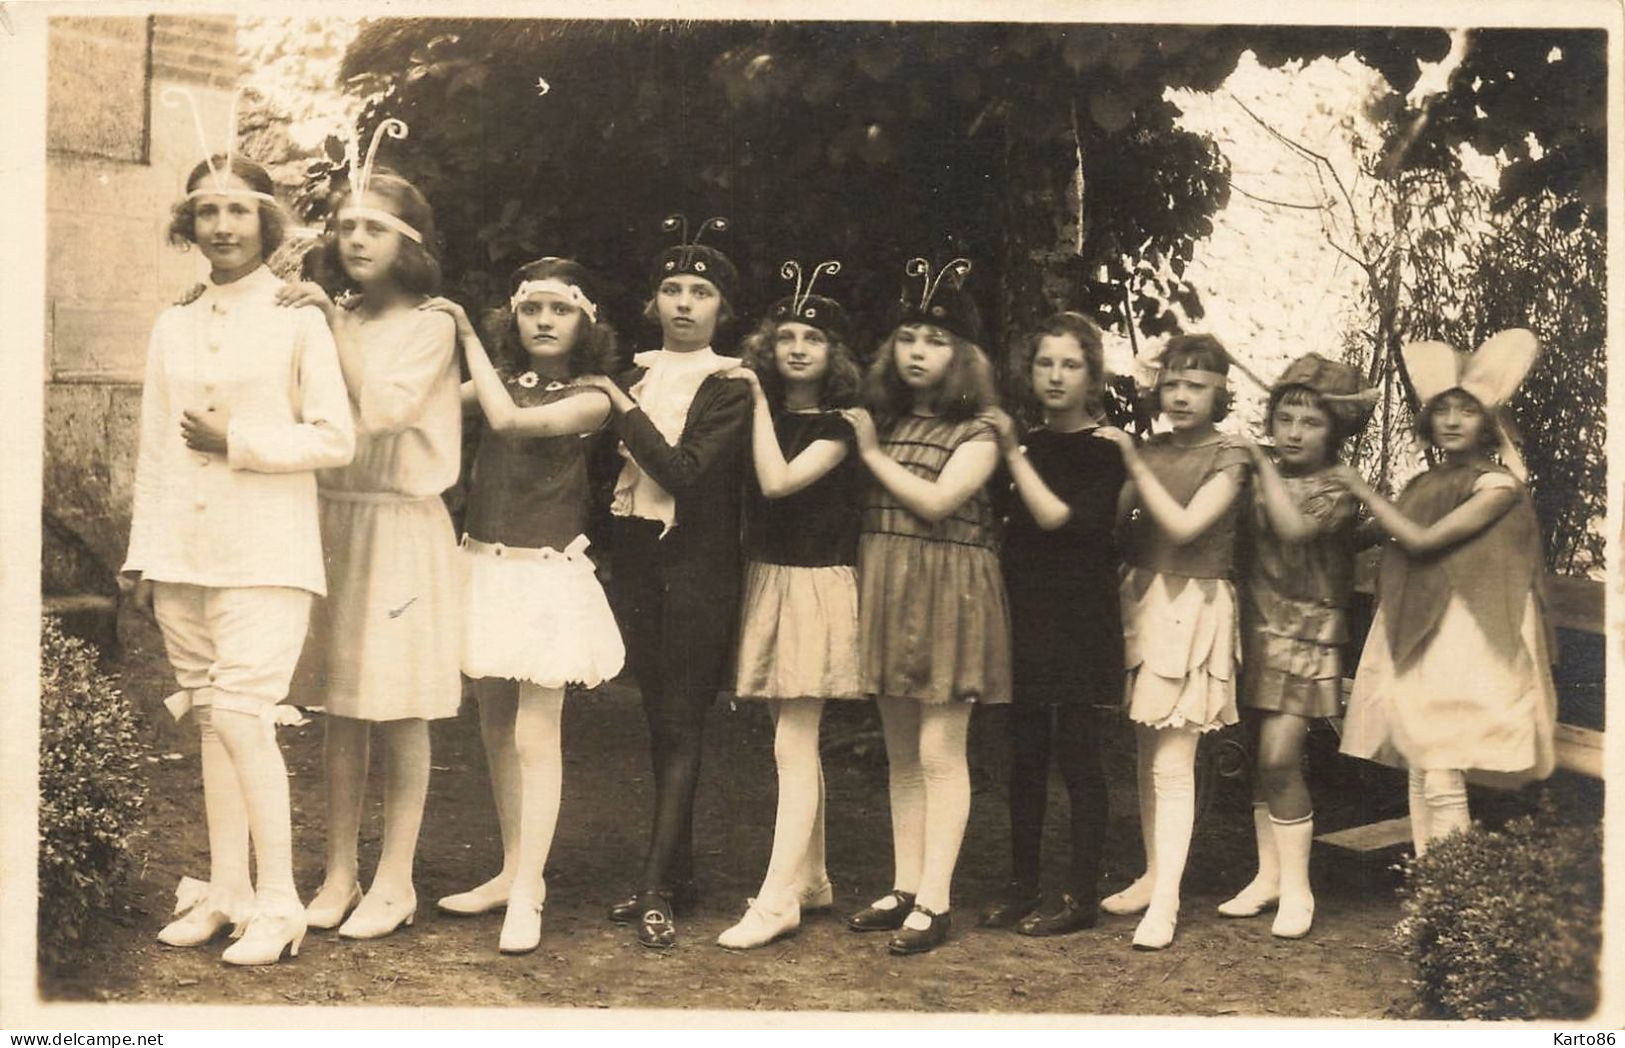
(1065, 617)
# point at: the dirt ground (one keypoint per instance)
(1349, 967)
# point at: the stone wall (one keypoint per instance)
(117, 158)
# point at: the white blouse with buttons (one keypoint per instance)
(248, 517)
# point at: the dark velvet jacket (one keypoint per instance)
(704, 472)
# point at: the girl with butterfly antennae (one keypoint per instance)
(934, 624)
(385, 647)
(684, 429)
(799, 634)
(242, 403)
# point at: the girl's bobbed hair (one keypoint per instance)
(273, 220)
(841, 380)
(1089, 339)
(1201, 353)
(596, 348)
(967, 389)
(416, 268)
(1489, 439)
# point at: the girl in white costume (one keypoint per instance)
(242, 403)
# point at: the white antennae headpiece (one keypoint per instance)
(219, 180)
(361, 179)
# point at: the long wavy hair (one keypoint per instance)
(417, 266)
(841, 379)
(967, 388)
(596, 348)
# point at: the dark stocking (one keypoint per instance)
(1077, 750)
(1030, 731)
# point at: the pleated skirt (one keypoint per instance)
(934, 623)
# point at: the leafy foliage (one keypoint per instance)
(868, 142)
(1537, 97)
(1508, 924)
(91, 791)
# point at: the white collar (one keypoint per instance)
(257, 280)
(692, 360)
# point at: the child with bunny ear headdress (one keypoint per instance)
(1456, 673)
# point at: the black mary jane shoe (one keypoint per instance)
(1074, 915)
(656, 929)
(630, 909)
(922, 940)
(874, 919)
(1018, 901)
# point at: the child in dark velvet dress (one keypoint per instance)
(1061, 571)
(537, 620)
(798, 643)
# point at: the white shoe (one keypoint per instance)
(1293, 919)
(475, 901)
(521, 928)
(821, 897)
(377, 916)
(201, 914)
(330, 912)
(1131, 900)
(1156, 929)
(267, 936)
(1251, 900)
(760, 926)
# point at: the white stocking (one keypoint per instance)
(1419, 810)
(231, 887)
(795, 750)
(541, 772)
(250, 740)
(406, 787)
(900, 720)
(943, 730)
(1445, 791)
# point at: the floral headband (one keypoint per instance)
(555, 286)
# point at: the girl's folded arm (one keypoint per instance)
(1049, 511)
(966, 471)
(1483, 508)
(1184, 524)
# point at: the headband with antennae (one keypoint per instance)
(175, 96)
(361, 179)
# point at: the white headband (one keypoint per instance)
(394, 222)
(173, 96)
(230, 191)
(555, 286)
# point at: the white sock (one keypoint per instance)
(1173, 775)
